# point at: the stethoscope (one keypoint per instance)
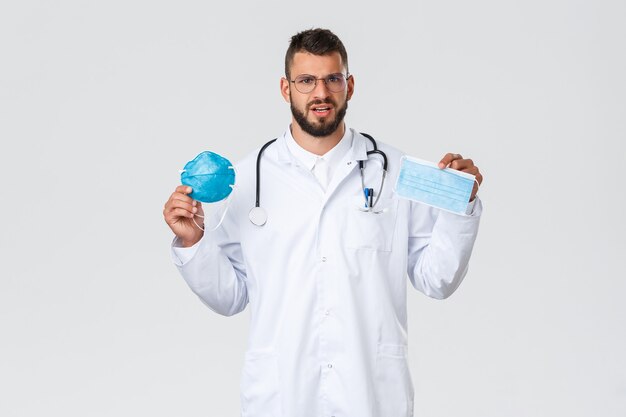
(258, 215)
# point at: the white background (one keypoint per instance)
(101, 103)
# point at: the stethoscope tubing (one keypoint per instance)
(258, 216)
(258, 172)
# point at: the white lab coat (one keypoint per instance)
(326, 283)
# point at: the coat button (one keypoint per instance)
(323, 259)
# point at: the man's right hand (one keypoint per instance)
(179, 214)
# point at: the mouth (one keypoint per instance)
(321, 110)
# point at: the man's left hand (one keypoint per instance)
(456, 161)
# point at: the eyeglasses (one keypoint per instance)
(306, 83)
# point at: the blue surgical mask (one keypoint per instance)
(210, 176)
(424, 182)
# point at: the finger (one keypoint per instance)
(448, 158)
(479, 178)
(471, 170)
(181, 204)
(461, 164)
(180, 194)
(198, 205)
(475, 172)
(176, 214)
(185, 189)
(474, 192)
(181, 197)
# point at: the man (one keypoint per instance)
(325, 280)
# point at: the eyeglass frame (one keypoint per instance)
(346, 77)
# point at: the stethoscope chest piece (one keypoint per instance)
(257, 216)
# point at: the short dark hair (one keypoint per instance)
(316, 42)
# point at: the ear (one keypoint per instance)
(350, 87)
(284, 89)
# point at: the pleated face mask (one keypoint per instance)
(424, 182)
(210, 176)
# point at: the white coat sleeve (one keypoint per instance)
(440, 246)
(214, 270)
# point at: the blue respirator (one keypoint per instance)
(211, 178)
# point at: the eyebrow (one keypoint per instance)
(328, 75)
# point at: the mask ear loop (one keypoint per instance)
(194, 221)
(225, 211)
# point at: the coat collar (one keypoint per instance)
(357, 152)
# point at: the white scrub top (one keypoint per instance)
(326, 283)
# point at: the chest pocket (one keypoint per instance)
(371, 230)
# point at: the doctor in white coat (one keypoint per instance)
(324, 280)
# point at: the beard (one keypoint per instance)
(326, 126)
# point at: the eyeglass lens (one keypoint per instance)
(306, 83)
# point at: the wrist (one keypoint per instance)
(187, 243)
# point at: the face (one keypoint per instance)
(319, 113)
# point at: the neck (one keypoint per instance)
(314, 144)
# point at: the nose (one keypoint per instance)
(321, 89)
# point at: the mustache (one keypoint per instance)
(318, 102)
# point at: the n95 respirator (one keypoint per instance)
(211, 178)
